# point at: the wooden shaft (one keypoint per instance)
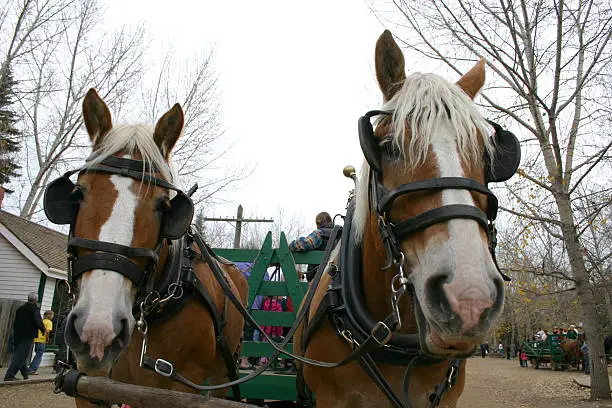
(137, 396)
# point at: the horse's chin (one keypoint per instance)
(455, 348)
(93, 366)
(435, 344)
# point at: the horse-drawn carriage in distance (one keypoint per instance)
(557, 350)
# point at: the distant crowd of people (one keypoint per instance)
(569, 333)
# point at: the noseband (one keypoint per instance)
(61, 204)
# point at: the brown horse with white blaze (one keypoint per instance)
(431, 130)
(116, 210)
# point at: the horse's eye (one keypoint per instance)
(163, 204)
(390, 149)
(76, 196)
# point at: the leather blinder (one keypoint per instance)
(507, 157)
(177, 219)
(369, 144)
(58, 204)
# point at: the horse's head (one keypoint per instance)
(432, 131)
(120, 205)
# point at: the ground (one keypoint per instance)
(491, 383)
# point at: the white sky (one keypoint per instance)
(294, 78)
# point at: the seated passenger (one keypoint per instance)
(317, 239)
(572, 333)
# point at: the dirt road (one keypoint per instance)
(499, 383)
(491, 383)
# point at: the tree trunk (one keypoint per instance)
(600, 386)
(28, 207)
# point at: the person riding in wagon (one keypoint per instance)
(572, 333)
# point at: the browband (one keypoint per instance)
(462, 183)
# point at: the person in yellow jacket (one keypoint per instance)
(41, 341)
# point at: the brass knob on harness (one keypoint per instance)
(349, 171)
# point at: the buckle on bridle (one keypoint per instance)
(164, 367)
(387, 333)
(346, 334)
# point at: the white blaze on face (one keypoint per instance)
(106, 294)
(465, 256)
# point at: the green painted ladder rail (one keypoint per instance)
(276, 383)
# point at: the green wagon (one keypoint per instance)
(277, 383)
(548, 351)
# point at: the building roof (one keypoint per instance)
(49, 245)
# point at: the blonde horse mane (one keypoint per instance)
(423, 101)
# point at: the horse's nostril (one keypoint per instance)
(436, 295)
(498, 294)
(72, 333)
(123, 338)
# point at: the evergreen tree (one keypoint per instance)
(9, 134)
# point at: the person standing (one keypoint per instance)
(40, 343)
(585, 355)
(317, 239)
(523, 357)
(25, 328)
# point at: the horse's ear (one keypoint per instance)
(168, 129)
(389, 62)
(473, 80)
(96, 116)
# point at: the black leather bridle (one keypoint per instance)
(61, 204)
(393, 232)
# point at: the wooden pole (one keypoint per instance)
(239, 221)
(238, 233)
(138, 396)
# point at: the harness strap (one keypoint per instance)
(331, 243)
(437, 215)
(104, 246)
(110, 261)
(135, 174)
(379, 335)
(221, 341)
(385, 202)
(369, 366)
(447, 383)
